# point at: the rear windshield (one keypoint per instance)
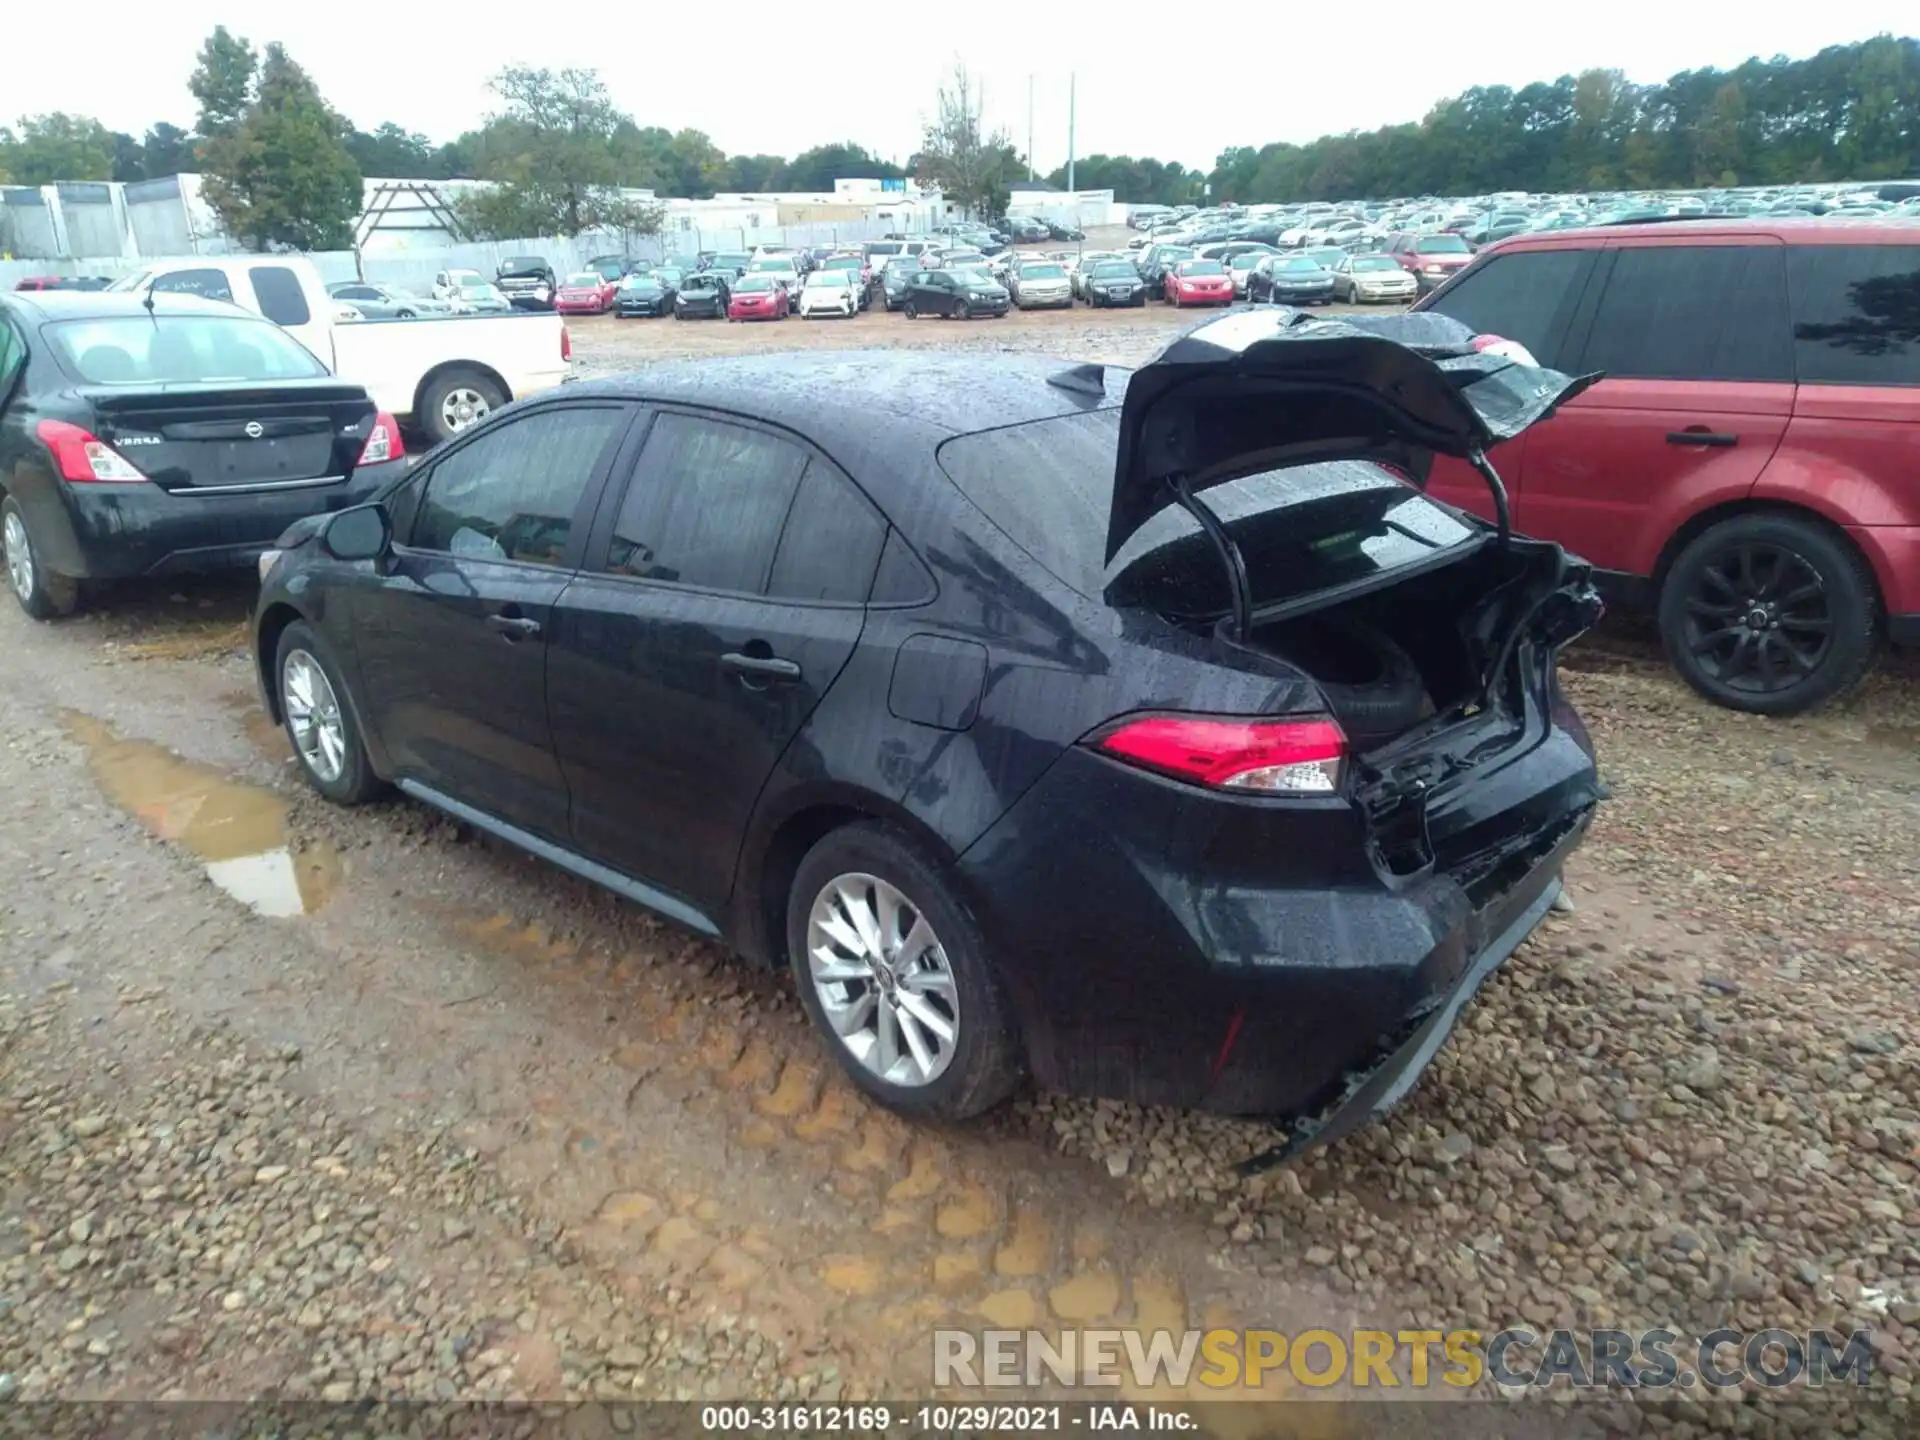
(1049, 485)
(178, 350)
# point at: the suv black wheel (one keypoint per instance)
(1770, 614)
(319, 722)
(42, 593)
(893, 970)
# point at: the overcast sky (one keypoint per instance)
(738, 74)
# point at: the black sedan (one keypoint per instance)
(702, 295)
(649, 292)
(1290, 280)
(822, 656)
(1115, 282)
(151, 436)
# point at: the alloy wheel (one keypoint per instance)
(462, 407)
(19, 558)
(883, 980)
(1760, 619)
(313, 716)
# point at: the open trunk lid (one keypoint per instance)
(1261, 389)
(1496, 764)
(213, 438)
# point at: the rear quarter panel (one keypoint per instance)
(391, 357)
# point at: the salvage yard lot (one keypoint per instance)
(470, 1127)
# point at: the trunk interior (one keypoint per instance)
(189, 439)
(1436, 677)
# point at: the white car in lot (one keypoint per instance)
(438, 377)
(829, 292)
(447, 283)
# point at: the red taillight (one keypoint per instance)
(566, 344)
(84, 459)
(383, 441)
(1288, 757)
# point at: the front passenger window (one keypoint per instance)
(511, 494)
(706, 505)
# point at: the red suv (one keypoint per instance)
(1749, 469)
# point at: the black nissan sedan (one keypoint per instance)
(149, 436)
(1142, 733)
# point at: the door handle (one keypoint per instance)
(514, 627)
(1707, 438)
(760, 667)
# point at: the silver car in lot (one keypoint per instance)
(1041, 283)
(1373, 279)
(387, 302)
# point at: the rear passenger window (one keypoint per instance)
(281, 299)
(1856, 313)
(831, 545)
(706, 505)
(1527, 296)
(209, 284)
(1693, 312)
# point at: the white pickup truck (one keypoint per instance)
(437, 374)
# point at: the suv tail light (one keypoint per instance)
(1275, 757)
(383, 442)
(83, 458)
(566, 344)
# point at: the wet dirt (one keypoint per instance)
(237, 832)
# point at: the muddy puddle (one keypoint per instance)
(237, 832)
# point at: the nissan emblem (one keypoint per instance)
(255, 430)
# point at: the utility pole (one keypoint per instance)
(1070, 79)
(1029, 126)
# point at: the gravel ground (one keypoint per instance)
(536, 1144)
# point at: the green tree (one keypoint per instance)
(57, 146)
(971, 164)
(283, 176)
(555, 152)
(393, 154)
(166, 150)
(756, 172)
(222, 82)
(818, 168)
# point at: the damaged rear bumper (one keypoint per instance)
(1372, 1091)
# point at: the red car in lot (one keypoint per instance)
(1749, 468)
(758, 297)
(1432, 259)
(586, 293)
(1199, 282)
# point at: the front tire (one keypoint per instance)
(893, 970)
(42, 593)
(1770, 614)
(319, 722)
(910, 310)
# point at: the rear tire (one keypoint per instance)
(456, 400)
(1755, 601)
(42, 593)
(979, 1063)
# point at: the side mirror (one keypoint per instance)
(363, 533)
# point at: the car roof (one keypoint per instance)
(833, 397)
(1805, 230)
(93, 304)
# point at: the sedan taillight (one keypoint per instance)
(84, 459)
(1279, 757)
(383, 442)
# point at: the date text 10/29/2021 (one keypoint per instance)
(796, 1418)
